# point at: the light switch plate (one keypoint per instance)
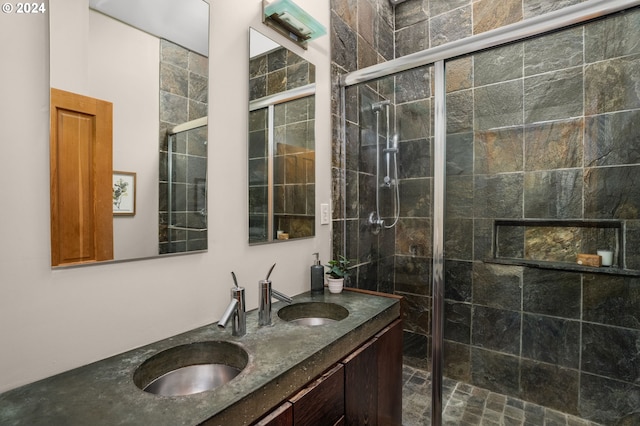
(324, 214)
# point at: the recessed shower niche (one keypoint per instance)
(555, 244)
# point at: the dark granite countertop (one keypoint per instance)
(282, 358)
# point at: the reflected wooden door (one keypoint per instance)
(81, 179)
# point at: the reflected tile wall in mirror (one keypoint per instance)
(282, 170)
(183, 97)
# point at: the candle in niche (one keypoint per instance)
(607, 257)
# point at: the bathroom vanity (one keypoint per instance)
(292, 373)
(363, 388)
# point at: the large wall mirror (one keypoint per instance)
(281, 143)
(149, 58)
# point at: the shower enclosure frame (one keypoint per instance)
(553, 21)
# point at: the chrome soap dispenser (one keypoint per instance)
(317, 276)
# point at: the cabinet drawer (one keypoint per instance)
(281, 416)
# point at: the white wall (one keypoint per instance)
(55, 320)
(123, 69)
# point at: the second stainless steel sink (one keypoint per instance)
(313, 313)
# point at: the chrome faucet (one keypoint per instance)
(267, 292)
(236, 310)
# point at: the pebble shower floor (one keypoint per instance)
(467, 405)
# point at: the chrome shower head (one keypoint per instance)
(396, 2)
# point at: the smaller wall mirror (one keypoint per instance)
(281, 143)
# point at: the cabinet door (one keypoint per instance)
(361, 385)
(81, 175)
(322, 402)
(281, 416)
(389, 349)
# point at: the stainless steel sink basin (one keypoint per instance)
(313, 313)
(192, 368)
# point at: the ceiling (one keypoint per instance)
(184, 22)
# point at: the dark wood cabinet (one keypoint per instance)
(389, 349)
(361, 385)
(365, 388)
(322, 402)
(373, 380)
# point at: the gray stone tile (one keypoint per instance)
(612, 192)
(554, 95)
(533, 8)
(458, 274)
(484, 323)
(492, 415)
(613, 37)
(552, 340)
(498, 105)
(496, 402)
(513, 412)
(555, 144)
(496, 65)
(611, 352)
(553, 417)
(556, 51)
(499, 150)
(496, 286)
(612, 139)
(509, 421)
(451, 26)
(552, 293)
(457, 322)
(550, 386)
(612, 300)
(610, 85)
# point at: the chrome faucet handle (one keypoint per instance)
(228, 313)
(236, 311)
(281, 296)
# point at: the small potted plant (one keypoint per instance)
(338, 270)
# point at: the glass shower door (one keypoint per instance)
(541, 166)
(385, 222)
